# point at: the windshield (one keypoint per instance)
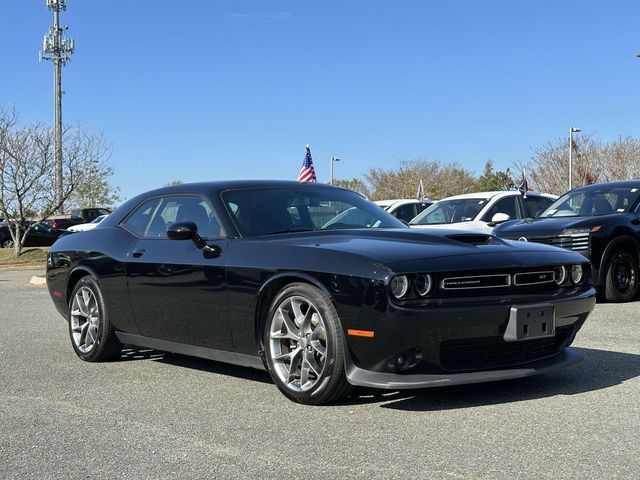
(592, 202)
(263, 211)
(99, 219)
(451, 211)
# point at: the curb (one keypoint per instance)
(38, 280)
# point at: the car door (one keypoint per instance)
(508, 205)
(176, 293)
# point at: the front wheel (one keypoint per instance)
(304, 346)
(621, 281)
(91, 333)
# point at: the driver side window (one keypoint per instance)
(184, 209)
(508, 205)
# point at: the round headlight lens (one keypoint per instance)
(399, 286)
(423, 284)
(577, 274)
(561, 274)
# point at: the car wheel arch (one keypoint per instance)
(74, 277)
(270, 289)
(626, 242)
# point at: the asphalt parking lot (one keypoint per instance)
(155, 415)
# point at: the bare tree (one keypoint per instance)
(593, 161)
(440, 180)
(26, 171)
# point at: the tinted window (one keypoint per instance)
(451, 211)
(139, 220)
(184, 209)
(535, 205)
(507, 205)
(259, 211)
(593, 202)
(405, 212)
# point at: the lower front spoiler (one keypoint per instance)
(393, 381)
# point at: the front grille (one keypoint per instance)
(534, 278)
(493, 352)
(476, 281)
(572, 241)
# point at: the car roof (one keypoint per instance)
(618, 184)
(401, 201)
(501, 193)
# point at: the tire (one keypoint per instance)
(303, 330)
(7, 244)
(621, 278)
(90, 330)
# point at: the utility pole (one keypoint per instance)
(572, 130)
(57, 49)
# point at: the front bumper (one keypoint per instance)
(393, 381)
(458, 345)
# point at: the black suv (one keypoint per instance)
(600, 221)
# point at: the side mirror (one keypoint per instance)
(182, 231)
(189, 230)
(499, 218)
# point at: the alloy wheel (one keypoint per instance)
(298, 343)
(8, 244)
(85, 320)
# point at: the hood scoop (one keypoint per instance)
(472, 238)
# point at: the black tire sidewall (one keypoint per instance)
(333, 374)
(611, 293)
(106, 339)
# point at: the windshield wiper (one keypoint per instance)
(287, 230)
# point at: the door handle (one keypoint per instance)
(137, 253)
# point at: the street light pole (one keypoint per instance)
(572, 130)
(57, 49)
(333, 159)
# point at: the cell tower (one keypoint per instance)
(57, 49)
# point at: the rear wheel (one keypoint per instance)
(7, 244)
(621, 281)
(91, 333)
(304, 346)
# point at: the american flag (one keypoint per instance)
(307, 172)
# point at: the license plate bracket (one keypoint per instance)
(527, 322)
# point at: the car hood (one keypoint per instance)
(548, 226)
(405, 247)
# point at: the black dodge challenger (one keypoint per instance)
(256, 273)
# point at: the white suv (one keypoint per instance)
(482, 211)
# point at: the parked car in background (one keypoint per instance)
(41, 235)
(76, 217)
(482, 211)
(602, 222)
(248, 273)
(82, 227)
(404, 208)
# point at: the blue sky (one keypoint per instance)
(206, 90)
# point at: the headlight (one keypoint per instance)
(423, 284)
(577, 274)
(560, 273)
(399, 286)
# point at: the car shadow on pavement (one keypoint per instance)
(132, 352)
(600, 369)
(215, 367)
